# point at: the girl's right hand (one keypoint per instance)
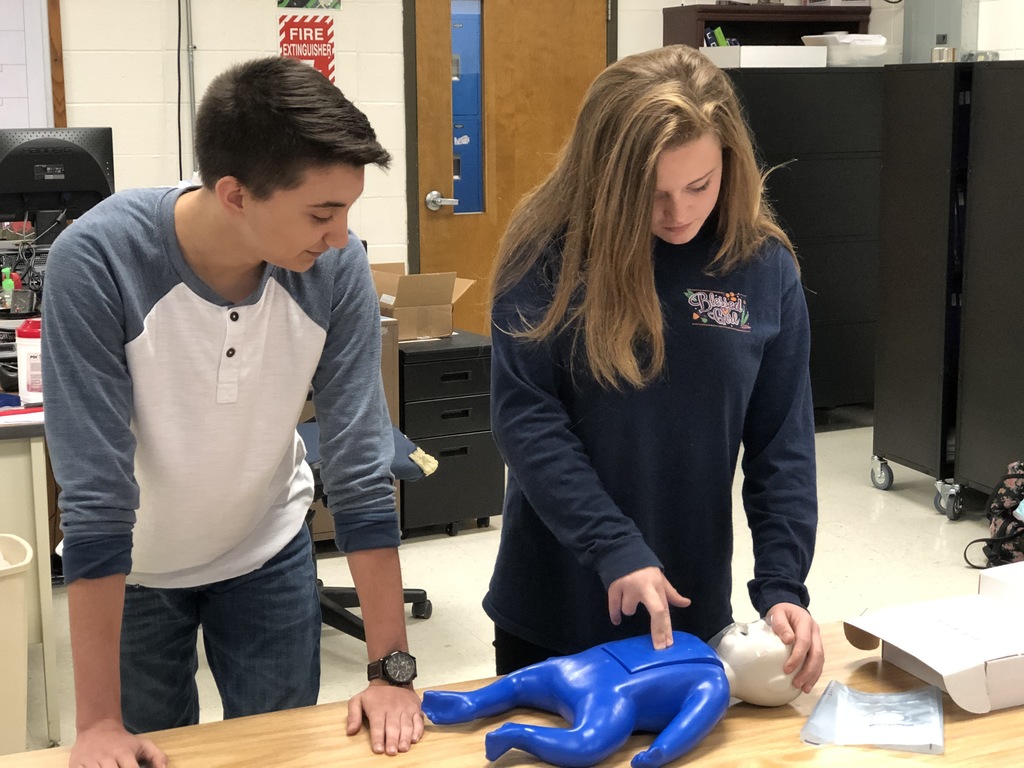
(649, 587)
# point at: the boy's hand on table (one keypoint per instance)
(107, 743)
(393, 714)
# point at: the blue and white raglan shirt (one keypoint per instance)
(171, 413)
(603, 482)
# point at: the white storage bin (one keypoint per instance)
(17, 556)
(842, 55)
(732, 56)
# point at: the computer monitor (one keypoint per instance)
(51, 175)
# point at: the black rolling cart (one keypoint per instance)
(444, 407)
(990, 419)
(924, 180)
(947, 397)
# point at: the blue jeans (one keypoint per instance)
(261, 632)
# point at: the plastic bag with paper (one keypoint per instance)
(909, 721)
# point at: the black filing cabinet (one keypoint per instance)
(444, 397)
(824, 148)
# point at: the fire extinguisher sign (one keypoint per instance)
(309, 39)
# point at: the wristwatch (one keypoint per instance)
(397, 668)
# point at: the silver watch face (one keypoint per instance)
(400, 667)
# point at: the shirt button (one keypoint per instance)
(233, 316)
(231, 352)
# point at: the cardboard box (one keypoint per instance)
(422, 304)
(389, 364)
(752, 56)
(970, 646)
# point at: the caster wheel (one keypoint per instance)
(422, 610)
(452, 529)
(955, 507)
(882, 477)
(483, 522)
(951, 505)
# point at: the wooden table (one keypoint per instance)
(747, 736)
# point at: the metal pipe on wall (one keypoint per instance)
(191, 80)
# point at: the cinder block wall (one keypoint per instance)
(121, 61)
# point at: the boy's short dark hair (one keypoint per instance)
(269, 120)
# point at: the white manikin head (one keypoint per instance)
(753, 656)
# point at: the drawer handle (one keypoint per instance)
(459, 413)
(460, 451)
(447, 378)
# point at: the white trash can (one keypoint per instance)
(15, 558)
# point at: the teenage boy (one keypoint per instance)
(182, 331)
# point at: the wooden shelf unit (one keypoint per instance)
(760, 24)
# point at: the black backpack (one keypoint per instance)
(1005, 542)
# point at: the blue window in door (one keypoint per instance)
(467, 109)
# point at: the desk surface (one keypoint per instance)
(20, 431)
(747, 736)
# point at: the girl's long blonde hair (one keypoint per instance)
(598, 200)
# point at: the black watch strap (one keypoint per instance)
(375, 670)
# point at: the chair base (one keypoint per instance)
(335, 603)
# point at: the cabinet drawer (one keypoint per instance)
(446, 378)
(845, 202)
(469, 482)
(450, 416)
(840, 109)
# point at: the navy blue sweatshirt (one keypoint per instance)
(604, 482)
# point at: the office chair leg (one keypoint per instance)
(336, 615)
(343, 598)
(336, 601)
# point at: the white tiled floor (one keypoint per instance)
(874, 548)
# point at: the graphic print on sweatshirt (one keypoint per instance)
(719, 309)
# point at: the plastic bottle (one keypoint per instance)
(28, 339)
(6, 289)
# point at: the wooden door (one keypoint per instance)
(537, 60)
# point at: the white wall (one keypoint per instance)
(120, 62)
(120, 70)
(25, 97)
(1001, 27)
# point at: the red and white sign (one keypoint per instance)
(309, 39)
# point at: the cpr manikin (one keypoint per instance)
(611, 690)
(753, 655)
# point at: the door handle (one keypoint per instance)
(434, 200)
